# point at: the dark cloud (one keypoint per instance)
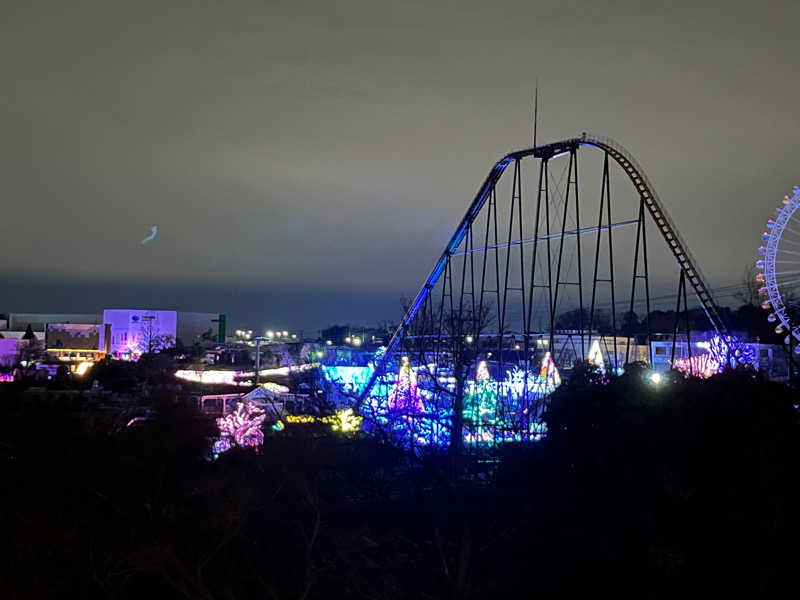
(299, 150)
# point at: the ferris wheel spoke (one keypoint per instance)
(789, 229)
(790, 242)
(790, 282)
(792, 252)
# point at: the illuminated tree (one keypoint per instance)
(242, 427)
(481, 401)
(596, 357)
(404, 397)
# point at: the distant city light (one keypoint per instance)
(469, 339)
(329, 342)
(270, 334)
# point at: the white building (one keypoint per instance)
(135, 331)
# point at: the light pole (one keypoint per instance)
(258, 341)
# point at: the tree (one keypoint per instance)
(573, 319)
(152, 338)
(748, 294)
(449, 341)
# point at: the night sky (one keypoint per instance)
(305, 162)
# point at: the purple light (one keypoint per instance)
(242, 427)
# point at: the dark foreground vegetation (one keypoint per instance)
(684, 489)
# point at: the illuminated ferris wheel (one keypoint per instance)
(779, 268)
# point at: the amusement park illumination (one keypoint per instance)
(408, 409)
(405, 396)
(344, 420)
(211, 377)
(242, 427)
(216, 377)
(596, 356)
(722, 353)
(701, 365)
(83, 367)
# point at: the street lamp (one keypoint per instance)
(258, 341)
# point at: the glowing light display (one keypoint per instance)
(6, 378)
(404, 396)
(211, 377)
(549, 376)
(299, 419)
(352, 380)
(481, 400)
(242, 427)
(702, 366)
(723, 353)
(415, 408)
(730, 353)
(275, 389)
(344, 420)
(83, 367)
(596, 356)
(218, 376)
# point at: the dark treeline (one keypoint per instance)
(643, 491)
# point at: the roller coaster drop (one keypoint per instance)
(477, 349)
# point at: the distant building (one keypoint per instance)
(9, 352)
(14, 325)
(73, 342)
(136, 331)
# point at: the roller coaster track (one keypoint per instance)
(664, 223)
(646, 192)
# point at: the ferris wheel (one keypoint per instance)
(779, 268)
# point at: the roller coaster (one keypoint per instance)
(484, 336)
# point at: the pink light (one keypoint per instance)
(702, 366)
(243, 425)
